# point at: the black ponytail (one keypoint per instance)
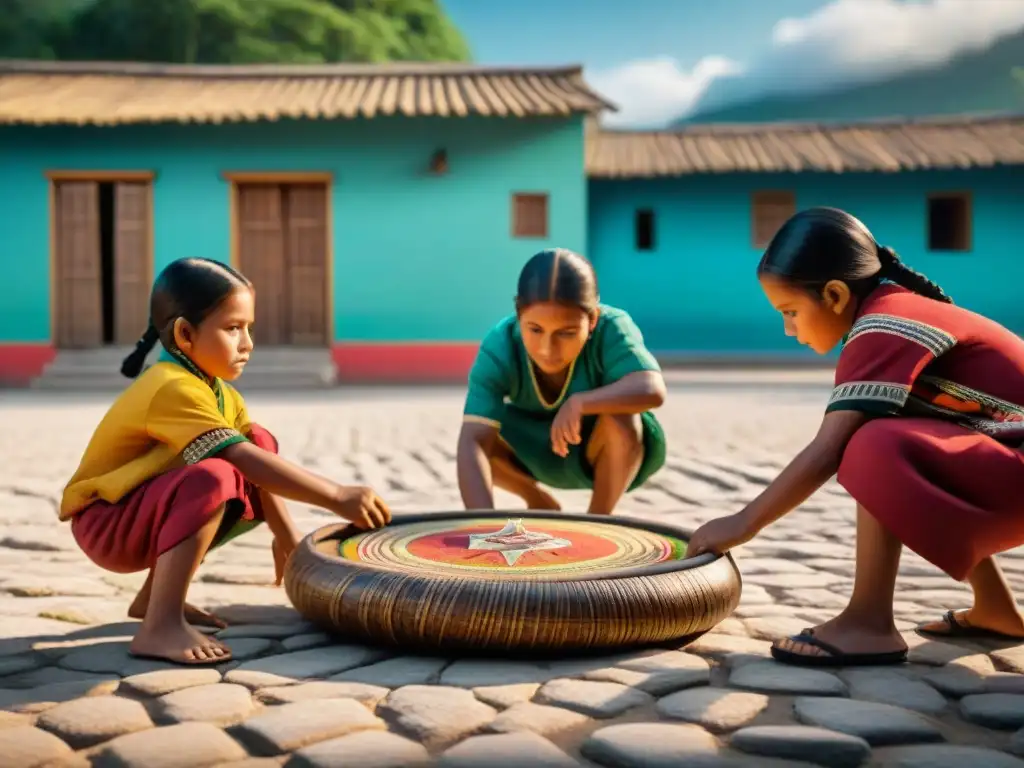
(895, 270)
(818, 245)
(132, 365)
(187, 288)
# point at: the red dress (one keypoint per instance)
(947, 475)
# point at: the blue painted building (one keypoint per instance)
(678, 220)
(384, 212)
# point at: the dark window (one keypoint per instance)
(949, 222)
(643, 226)
(530, 215)
(769, 210)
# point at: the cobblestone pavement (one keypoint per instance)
(70, 695)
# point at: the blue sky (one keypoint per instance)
(605, 33)
(661, 59)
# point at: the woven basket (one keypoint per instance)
(674, 600)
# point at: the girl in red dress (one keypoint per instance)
(924, 427)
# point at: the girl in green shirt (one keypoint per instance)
(561, 394)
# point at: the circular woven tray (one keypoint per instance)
(508, 582)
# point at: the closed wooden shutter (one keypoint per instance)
(530, 215)
(306, 248)
(132, 268)
(261, 250)
(79, 301)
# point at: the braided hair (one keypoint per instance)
(818, 245)
(894, 270)
(187, 288)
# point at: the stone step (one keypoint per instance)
(278, 368)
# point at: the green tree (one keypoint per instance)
(237, 31)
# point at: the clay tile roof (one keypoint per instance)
(883, 145)
(40, 92)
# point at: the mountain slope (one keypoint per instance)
(980, 81)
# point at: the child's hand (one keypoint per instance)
(362, 506)
(282, 549)
(719, 536)
(566, 426)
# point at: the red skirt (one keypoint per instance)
(950, 494)
(129, 535)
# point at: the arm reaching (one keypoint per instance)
(804, 475)
(272, 474)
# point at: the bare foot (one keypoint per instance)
(848, 637)
(180, 644)
(976, 621)
(193, 614)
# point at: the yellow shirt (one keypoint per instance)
(167, 418)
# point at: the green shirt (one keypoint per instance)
(502, 376)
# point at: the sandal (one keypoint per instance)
(833, 657)
(956, 627)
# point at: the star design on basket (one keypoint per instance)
(513, 541)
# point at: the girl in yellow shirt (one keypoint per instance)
(176, 467)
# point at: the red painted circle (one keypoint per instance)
(452, 548)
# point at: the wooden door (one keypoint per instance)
(262, 257)
(306, 260)
(132, 278)
(78, 294)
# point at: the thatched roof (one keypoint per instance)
(47, 93)
(883, 145)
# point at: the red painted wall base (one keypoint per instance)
(20, 363)
(404, 362)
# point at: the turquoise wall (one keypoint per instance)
(416, 256)
(697, 292)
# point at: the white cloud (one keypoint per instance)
(845, 42)
(654, 91)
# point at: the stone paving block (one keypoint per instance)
(878, 724)
(268, 631)
(804, 743)
(189, 745)
(86, 722)
(715, 709)
(994, 710)
(112, 658)
(302, 665)
(27, 747)
(45, 676)
(946, 756)
(365, 749)
(367, 695)
(474, 673)
(506, 750)
(772, 677)
(220, 703)
(303, 642)
(397, 672)
(537, 718)
(46, 696)
(888, 686)
(652, 745)
(12, 665)
(502, 696)
(164, 681)
(594, 699)
(1011, 659)
(288, 727)
(436, 716)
